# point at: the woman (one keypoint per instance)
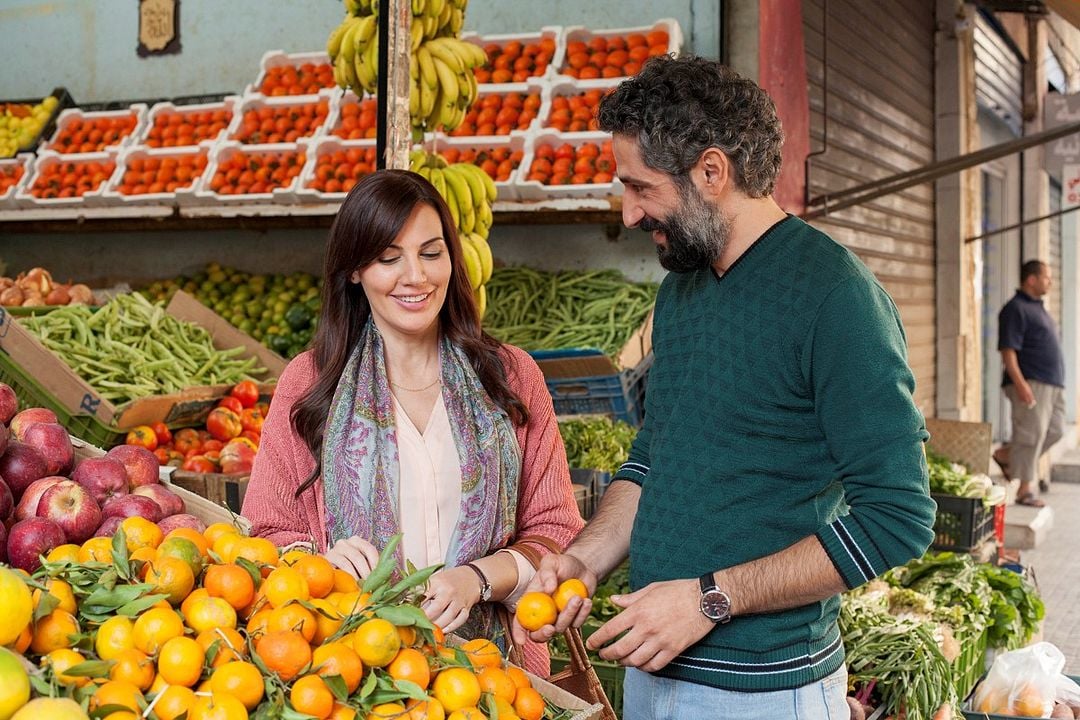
(406, 417)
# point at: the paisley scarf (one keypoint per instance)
(360, 473)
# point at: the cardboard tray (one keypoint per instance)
(189, 407)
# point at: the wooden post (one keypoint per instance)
(395, 128)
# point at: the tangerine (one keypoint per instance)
(182, 549)
(430, 709)
(174, 702)
(216, 530)
(337, 658)
(293, 616)
(284, 653)
(116, 692)
(385, 711)
(260, 551)
(172, 576)
(14, 683)
(285, 584)
(342, 712)
(189, 601)
(227, 644)
(456, 688)
(529, 704)
(521, 680)
(493, 680)
(311, 696)
(482, 653)
(411, 665)
(568, 589)
(54, 631)
(180, 661)
(16, 606)
(62, 659)
(133, 667)
(194, 536)
(59, 590)
(140, 532)
(154, 628)
(318, 572)
(377, 642)
(328, 619)
(535, 610)
(114, 636)
(210, 612)
(63, 553)
(344, 582)
(217, 707)
(230, 582)
(240, 679)
(96, 549)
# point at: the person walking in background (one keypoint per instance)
(781, 458)
(1033, 380)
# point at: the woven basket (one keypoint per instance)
(579, 678)
(963, 442)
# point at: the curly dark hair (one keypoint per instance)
(679, 107)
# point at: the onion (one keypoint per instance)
(39, 279)
(11, 296)
(33, 299)
(81, 295)
(58, 296)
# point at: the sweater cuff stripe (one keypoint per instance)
(860, 557)
(844, 557)
(632, 471)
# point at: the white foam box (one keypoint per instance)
(180, 196)
(66, 117)
(257, 102)
(507, 188)
(280, 58)
(584, 34)
(564, 86)
(228, 104)
(223, 153)
(25, 161)
(45, 160)
(535, 86)
(535, 190)
(333, 120)
(318, 148)
(554, 32)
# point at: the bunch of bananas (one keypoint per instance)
(442, 83)
(469, 192)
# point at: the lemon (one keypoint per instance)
(16, 606)
(14, 684)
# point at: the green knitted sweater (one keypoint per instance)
(779, 406)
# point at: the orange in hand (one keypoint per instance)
(535, 610)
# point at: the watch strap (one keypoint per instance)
(485, 586)
(707, 583)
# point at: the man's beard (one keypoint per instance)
(696, 233)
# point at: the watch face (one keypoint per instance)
(715, 605)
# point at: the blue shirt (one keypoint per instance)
(1026, 327)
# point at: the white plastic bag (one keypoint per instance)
(1025, 683)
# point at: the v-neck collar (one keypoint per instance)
(399, 411)
(719, 277)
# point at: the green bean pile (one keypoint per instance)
(597, 443)
(538, 310)
(131, 348)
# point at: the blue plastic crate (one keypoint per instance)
(620, 395)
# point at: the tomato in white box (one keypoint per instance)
(291, 74)
(162, 176)
(333, 167)
(519, 56)
(499, 157)
(575, 165)
(502, 110)
(79, 131)
(571, 105)
(14, 173)
(352, 118)
(268, 121)
(251, 173)
(619, 52)
(67, 180)
(170, 125)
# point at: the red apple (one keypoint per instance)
(109, 526)
(7, 501)
(169, 502)
(54, 444)
(141, 464)
(70, 506)
(28, 417)
(3, 543)
(103, 477)
(181, 520)
(132, 506)
(28, 539)
(20, 466)
(28, 503)
(9, 404)
(3, 439)
(237, 457)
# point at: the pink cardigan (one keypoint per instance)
(546, 505)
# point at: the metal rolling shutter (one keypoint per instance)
(1053, 300)
(881, 122)
(999, 75)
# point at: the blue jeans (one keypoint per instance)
(649, 697)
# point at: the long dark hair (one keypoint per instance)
(370, 219)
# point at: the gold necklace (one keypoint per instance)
(426, 387)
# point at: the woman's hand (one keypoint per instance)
(450, 595)
(354, 555)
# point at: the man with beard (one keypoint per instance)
(781, 458)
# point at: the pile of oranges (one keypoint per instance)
(612, 57)
(91, 134)
(70, 178)
(181, 129)
(277, 124)
(220, 626)
(161, 174)
(498, 162)
(515, 61)
(304, 79)
(499, 114)
(338, 171)
(574, 113)
(566, 164)
(256, 172)
(9, 175)
(356, 120)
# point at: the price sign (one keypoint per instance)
(159, 27)
(1070, 186)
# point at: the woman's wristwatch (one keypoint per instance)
(485, 586)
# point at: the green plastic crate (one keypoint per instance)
(31, 394)
(610, 675)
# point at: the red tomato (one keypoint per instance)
(163, 433)
(142, 435)
(187, 440)
(237, 457)
(162, 455)
(255, 437)
(212, 445)
(199, 464)
(223, 424)
(252, 419)
(232, 403)
(247, 392)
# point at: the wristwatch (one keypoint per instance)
(485, 586)
(715, 603)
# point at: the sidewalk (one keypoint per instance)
(1056, 562)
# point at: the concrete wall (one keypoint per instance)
(89, 46)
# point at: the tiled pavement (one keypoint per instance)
(1056, 562)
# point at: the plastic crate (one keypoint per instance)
(223, 153)
(961, 524)
(64, 101)
(45, 159)
(536, 190)
(334, 119)
(31, 394)
(618, 395)
(320, 148)
(9, 165)
(584, 34)
(281, 105)
(507, 189)
(610, 674)
(180, 196)
(568, 87)
(139, 110)
(534, 86)
(280, 58)
(228, 105)
(552, 32)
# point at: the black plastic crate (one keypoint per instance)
(64, 101)
(961, 524)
